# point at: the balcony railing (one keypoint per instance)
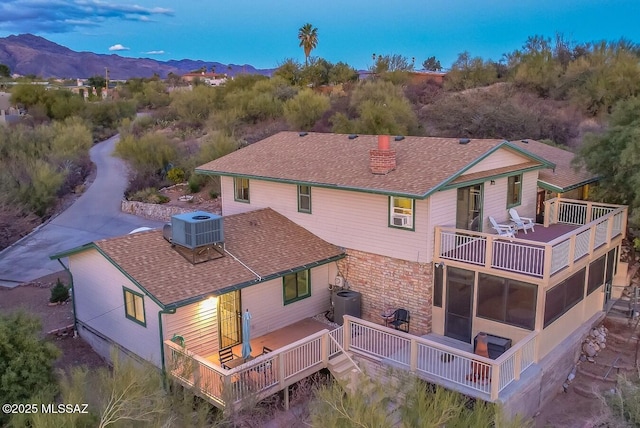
(272, 372)
(596, 225)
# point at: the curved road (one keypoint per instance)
(94, 215)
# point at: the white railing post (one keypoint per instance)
(592, 238)
(589, 214)
(488, 258)
(413, 360)
(324, 348)
(495, 381)
(437, 244)
(346, 333)
(517, 364)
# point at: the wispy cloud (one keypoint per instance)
(118, 47)
(61, 16)
(154, 53)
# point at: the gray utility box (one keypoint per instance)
(496, 345)
(346, 302)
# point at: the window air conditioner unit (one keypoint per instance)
(400, 220)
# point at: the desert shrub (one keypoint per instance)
(213, 194)
(624, 403)
(149, 195)
(303, 110)
(196, 182)
(151, 152)
(26, 360)
(59, 293)
(175, 175)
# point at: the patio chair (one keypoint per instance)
(225, 355)
(401, 318)
(266, 350)
(522, 223)
(502, 229)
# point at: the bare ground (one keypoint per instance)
(33, 298)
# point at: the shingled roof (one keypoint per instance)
(260, 245)
(565, 176)
(424, 164)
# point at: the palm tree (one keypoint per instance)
(308, 36)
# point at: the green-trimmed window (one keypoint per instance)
(296, 286)
(514, 190)
(304, 199)
(134, 306)
(401, 212)
(241, 187)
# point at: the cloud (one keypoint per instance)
(118, 47)
(61, 16)
(154, 53)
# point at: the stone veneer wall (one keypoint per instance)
(152, 211)
(386, 283)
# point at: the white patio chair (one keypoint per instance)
(503, 229)
(522, 223)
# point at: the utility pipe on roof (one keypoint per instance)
(246, 267)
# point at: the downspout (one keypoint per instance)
(73, 298)
(160, 312)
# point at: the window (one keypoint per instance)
(596, 275)
(304, 199)
(241, 186)
(514, 190)
(563, 297)
(507, 301)
(296, 286)
(401, 212)
(134, 306)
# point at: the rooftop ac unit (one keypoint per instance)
(196, 229)
(400, 220)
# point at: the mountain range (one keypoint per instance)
(27, 54)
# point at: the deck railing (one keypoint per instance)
(272, 372)
(437, 362)
(598, 224)
(255, 379)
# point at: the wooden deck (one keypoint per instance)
(578, 229)
(278, 338)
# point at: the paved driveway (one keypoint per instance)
(95, 215)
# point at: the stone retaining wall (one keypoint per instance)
(388, 283)
(156, 212)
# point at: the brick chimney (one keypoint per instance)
(383, 159)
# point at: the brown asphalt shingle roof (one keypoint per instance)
(423, 163)
(565, 175)
(265, 241)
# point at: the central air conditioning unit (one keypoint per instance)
(196, 229)
(401, 220)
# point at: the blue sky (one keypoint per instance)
(264, 33)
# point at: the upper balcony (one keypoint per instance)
(572, 230)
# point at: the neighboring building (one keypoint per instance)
(211, 79)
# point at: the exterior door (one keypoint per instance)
(229, 319)
(459, 307)
(469, 208)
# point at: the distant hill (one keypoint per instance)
(28, 54)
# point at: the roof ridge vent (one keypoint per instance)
(353, 136)
(303, 134)
(464, 141)
(399, 138)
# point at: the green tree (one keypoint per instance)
(391, 63)
(303, 110)
(289, 70)
(380, 108)
(5, 71)
(615, 156)
(26, 360)
(470, 72)
(431, 64)
(316, 73)
(308, 36)
(151, 153)
(342, 73)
